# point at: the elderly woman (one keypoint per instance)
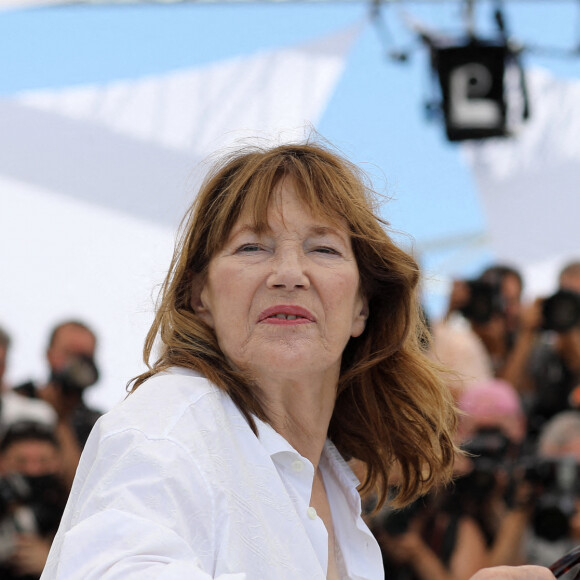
(289, 342)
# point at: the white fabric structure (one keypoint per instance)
(94, 180)
(530, 184)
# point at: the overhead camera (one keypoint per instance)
(79, 373)
(561, 311)
(471, 76)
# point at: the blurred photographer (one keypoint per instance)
(492, 430)
(491, 306)
(555, 520)
(32, 499)
(552, 377)
(14, 407)
(70, 356)
(450, 534)
(525, 497)
(425, 542)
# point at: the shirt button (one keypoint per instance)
(311, 513)
(298, 465)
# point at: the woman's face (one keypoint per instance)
(284, 302)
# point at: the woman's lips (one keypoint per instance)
(286, 314)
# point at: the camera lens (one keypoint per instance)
(561, 312)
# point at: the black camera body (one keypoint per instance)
(29, 505)
(485, 300)
(396, 521)
(487, 449)
(79, 373)
(561, 311)
(14, 488)
(556, 487)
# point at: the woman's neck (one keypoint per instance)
(300, 410)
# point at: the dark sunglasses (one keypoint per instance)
(566, 563)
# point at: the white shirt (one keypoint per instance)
(174, 485)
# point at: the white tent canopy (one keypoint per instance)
(140, 140)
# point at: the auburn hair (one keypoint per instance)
(393, 407)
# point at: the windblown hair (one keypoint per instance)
(393, 407)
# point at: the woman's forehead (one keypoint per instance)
(286, 198)
(274, 222)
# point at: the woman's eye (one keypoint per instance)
(327, 250)
(247, 248)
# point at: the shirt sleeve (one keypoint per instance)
(140, 509)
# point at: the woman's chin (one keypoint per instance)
(291, 360)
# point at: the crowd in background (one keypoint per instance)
(514, 369)
(43, 428)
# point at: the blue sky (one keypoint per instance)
(376, 115)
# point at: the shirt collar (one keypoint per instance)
(338, 465)
(272, 441)
(275, 444)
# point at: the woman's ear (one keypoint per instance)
(198, 303)
(361, 316)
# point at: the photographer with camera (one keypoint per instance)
(523, 504)
(525, 495)
(485, 516)
(492, 306)
(424, 541)
(14, 407)
(551, 348)
(32, 499)
(455, 531)
(554, 526)
(70, 356)
(535, 347)
(492, 430)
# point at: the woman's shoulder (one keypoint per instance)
(171, 391)
(175, 404)
(188, 384)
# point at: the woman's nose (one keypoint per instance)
(288, 271)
